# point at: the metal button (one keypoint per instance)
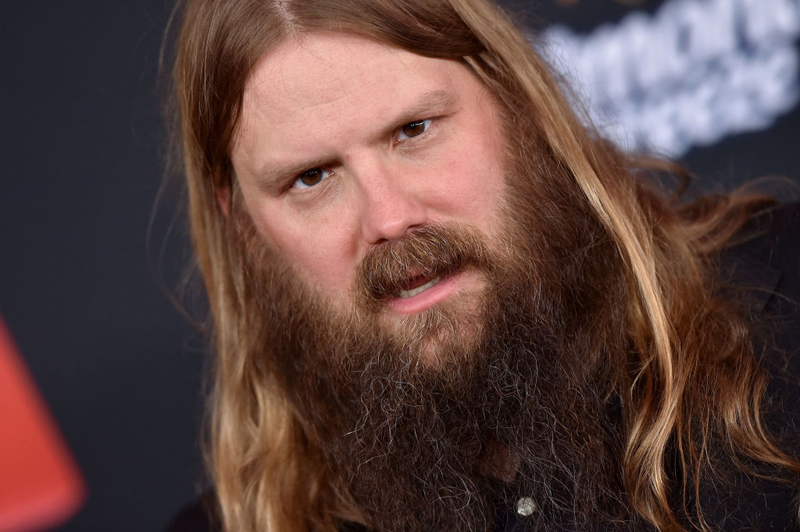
(525, 506)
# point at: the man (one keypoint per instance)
(440, 303)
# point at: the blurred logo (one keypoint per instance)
(691, 74)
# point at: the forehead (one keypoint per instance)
(317, 69)
(316, 88)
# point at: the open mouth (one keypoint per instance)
(417, 285)
(421, 292)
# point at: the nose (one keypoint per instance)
(389, 206)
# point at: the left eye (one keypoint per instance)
(413, 129)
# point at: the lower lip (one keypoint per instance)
(427, 299)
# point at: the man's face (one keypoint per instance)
(346, 144)
(376, 193)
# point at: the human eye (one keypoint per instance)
(413, 129)
(311, 177)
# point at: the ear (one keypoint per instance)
(223, 195)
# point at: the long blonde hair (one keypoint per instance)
(267, 474)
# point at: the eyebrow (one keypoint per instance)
(429, 103)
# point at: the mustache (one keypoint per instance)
(431, 251)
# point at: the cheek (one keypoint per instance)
(322, 254)
(470, 184)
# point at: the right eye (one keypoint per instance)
(311, 177)
(413, 129)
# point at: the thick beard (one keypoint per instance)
(517, 402)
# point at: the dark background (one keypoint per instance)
(86, 279)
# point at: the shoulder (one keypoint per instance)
(764, 266)
(199, 516)
(772, 236)
(764, 257)
(761, 267)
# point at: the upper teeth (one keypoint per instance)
(414, 291)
